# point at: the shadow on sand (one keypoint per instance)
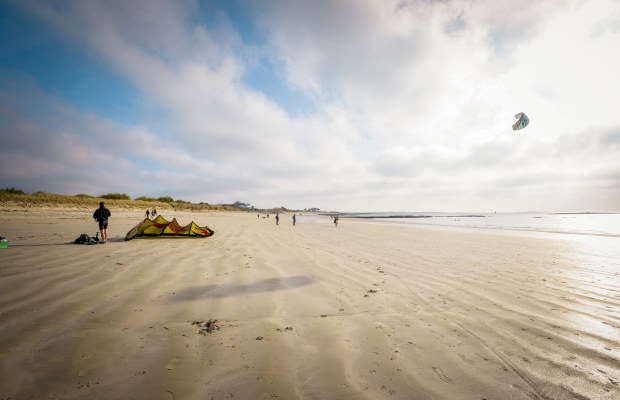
(229, 290)
(39, 244)
(110, 239)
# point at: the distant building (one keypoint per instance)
(239, 204)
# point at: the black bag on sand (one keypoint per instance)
(82, 239)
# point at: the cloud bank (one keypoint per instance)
(411, 105)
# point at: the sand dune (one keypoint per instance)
(362, 311)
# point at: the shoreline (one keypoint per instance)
(581, 224)
(507, 230)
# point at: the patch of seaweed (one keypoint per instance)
(206, 327)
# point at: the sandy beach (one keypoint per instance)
(362, 311)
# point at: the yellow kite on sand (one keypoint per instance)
(160, 227)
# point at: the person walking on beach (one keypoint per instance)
(277, 219)
(336, 221)
(293, 219)
(153, 213)
(147, 213)
(101, 215)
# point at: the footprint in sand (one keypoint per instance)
(80, 385)
(482, 357)
(416, 346)
(465, 359)
(524, 391)
(168, 394)
(442, 375)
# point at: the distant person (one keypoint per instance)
(101, 215)
(258, 215)
(147, 213)
(154, 213)
(336, 221)
(293, 219)
(277, 219)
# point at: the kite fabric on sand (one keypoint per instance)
(160, 227)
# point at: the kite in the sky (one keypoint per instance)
(522, 121)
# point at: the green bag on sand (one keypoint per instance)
(82, 239)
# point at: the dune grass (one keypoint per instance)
(11, 197)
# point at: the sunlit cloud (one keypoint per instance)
(408, 104)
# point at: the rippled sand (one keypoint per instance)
(362, 311)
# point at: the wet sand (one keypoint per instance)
(362, 311)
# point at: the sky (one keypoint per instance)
(347, 105)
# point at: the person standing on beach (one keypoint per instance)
(336, 221)
(101, 215)
(277, 219)
(293, 219)
(147, 213)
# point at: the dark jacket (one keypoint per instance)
(102, 214)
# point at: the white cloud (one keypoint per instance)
(414, 103)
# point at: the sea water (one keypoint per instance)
(603, 224)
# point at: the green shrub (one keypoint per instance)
(144, 198)
(116, 196)
(166, 199)
(12, 190)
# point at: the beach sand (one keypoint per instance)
(361, 311)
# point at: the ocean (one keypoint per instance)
(601, 224)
